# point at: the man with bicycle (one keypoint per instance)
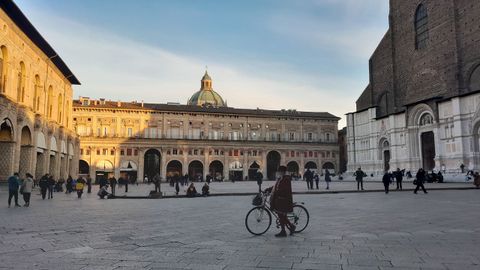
(281, 200)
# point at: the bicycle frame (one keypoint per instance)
(266, 205)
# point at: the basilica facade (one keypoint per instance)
(421, 108)
(36, 128)
(200, 138)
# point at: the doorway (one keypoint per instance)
(428, 150)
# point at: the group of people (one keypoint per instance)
(310, 176)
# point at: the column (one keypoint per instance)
(163, 165)
(141, 164)
(263, 166)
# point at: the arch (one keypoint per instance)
(474, 79)
(273, 162)
(53, 144)
(174, 168)
(195, 170)
(421, 27)
(425, 119)
(151, 163)
(416, 113)
(311, 165)
(216, 169)
(83, 167)
(476, 136)
(3, 68)
(104, 166)
(128, 169)
(328, 166)
(293, 168)
(252, 170)
(26, 136)
(384, 147)
(36, 93)
(235, 171)
(6, 131)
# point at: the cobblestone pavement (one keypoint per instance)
(439, 230)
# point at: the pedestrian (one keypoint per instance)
(68, 185)
(359, 175)
(51, 184)
(316, 178)
(420, 179)
(186, 178)
(177, 186)
(102, 192)
(113, 184)
(308, 176)
(328, 178)
(281, 201)
(127, 180)
(26, 189)
(79, 187)
(191, 191)
(156, 181)
(89, 184)
(259, 178)
(13, 185)
(206, 190)
(476, 179)
(43, 184)
(386, 181)
(208, 179)
(398, 178)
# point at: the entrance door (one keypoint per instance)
(386, 160)
(428, 150)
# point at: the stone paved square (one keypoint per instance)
(347, 231)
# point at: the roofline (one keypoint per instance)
(17, 16)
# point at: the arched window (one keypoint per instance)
(21, 83)
(60, 108)
(49, 108)
(3, 68)
(421, 27)
(36, 93)
(426, 119)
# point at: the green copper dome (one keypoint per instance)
(206, 96)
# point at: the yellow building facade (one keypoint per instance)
(36, 130)
(203, 137)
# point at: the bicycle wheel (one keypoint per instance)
(258, 220)
(299, 217)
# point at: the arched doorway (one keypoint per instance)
(311, 165)
(328, 166)
(83, 168)
(293, 168)
(195, 170)
(252, 170)
(128, 170)
(103, 169)
(236, 171)
(385, 147)
(26, 152)
(428, 150)
(53, 157)
(216, 170)
(273, 162)
(6, 148)
(151, 164)
(174, 168)
(42, 152)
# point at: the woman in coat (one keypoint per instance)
(26, 188)
(281, 201)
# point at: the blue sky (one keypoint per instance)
(297, 54)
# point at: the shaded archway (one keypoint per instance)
(195, 170)
(328, 166)
(428, 150)
(252, 170)
(385, 153)
(151, 163)
(83, 168)
(26, 152)
(235, 171)
(216, 170)
(42, 152)
(292, 168)
(174, 168)
(103, 169)
(53, 157)
(128, 170)
(311, 165)
(7, 146)
(273, 162)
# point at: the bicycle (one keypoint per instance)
(259, 218)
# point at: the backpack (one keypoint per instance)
(79, 186)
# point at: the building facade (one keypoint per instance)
(36, 129)
(135, 140)
(421, 108)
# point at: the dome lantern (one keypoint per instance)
(206, 96)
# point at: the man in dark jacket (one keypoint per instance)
(399, 178)
(308, 175)
(89, 184)
(13, 185)
(113, 184)
(386, 181)
(420, 179)
(43, 184)
(359, 175)
(51, 184)
(281, 201)
(259, 178)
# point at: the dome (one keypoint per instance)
(206, 96)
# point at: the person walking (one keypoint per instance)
(43, 184)
(79, 187)
(399, 178)
(13, 185)
(127, 181)
(89, 184)
(259, 178)
(51, 184)
(26, 188)
(308, 175)
(316, 177)
(386, 181)
(281, 201)
(476, 179)
(328, 179)
(156, 181)
(177, 186)
(113, 184)
(359, 175)
(420, 179)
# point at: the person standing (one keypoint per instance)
(26, 188)
(51, 184)
(316, 177)
(476, 179)
(127, 180)
(89, 184)
(308, 175)
(156, 181)
(43, 184)
(281, 201)
(420, 179)
(328, 179)
(177, 186)
(259, 178)
(398, 178)
(113, 184)
(386, 181)
(13, 185)
(359, 175)
(79, 187)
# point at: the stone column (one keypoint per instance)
(206, 163)
(163, 164)
(141, 164)
(263, 166)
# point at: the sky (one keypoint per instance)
(309, 55)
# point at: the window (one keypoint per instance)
(310, 136)
(129, 132)
(122, 152)
(105, 131)
(421, 27)
(112, 152)
(129, 151)
(104, 152)
(291, 136)
(328, 137)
